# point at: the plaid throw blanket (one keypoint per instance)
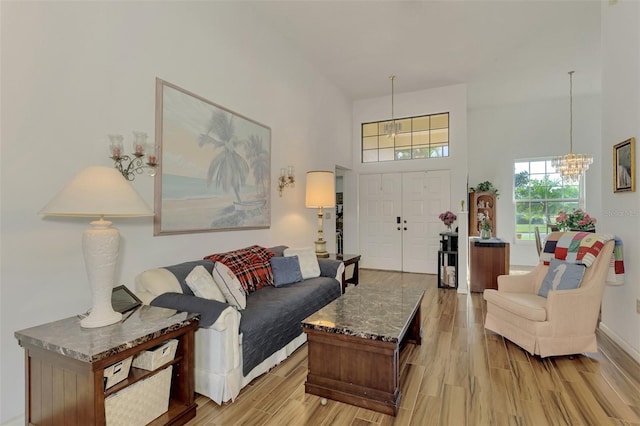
(583, 247)
(250, 265)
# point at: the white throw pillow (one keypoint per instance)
(201, 283)
(309, 265)
(229, 285)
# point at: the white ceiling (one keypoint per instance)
(506, 51)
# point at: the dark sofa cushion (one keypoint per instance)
(208, 309)
(273, 316)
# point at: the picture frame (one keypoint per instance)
(123, 300)
(214, 172)
(624, 168)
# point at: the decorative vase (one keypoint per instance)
(485, 234)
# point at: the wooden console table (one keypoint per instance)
(487, 259)
(65, 366)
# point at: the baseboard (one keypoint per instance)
(16, 421)
(620, 342)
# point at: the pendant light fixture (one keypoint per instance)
(392, 128)
(572, 166)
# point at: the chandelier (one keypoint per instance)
(571, 166)
(392, 128)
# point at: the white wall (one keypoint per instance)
(73, 72)
(452, 99)
(620, 121)
(499, 135)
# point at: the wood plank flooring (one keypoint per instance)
(460, 375)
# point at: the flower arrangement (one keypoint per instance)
(485, 225)
(448, 218)
(576, 220)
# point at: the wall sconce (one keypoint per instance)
(286, 179)
(130, 165)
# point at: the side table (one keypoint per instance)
(487, 260)
(348, 259)
(65, 366)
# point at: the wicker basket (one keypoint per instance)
(156, 357)
(117, 372)
(141, 402)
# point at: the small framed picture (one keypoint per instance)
(624, 167)
(123, 300)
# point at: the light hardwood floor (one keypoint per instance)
(460, 375)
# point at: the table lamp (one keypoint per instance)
(321, 192)
(99, 192)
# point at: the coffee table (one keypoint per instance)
(354, 345)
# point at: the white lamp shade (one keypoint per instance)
(321, 189)
(97, 191)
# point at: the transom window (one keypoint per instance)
(425, 136)
(540, 193)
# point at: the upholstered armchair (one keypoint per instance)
(563, 323)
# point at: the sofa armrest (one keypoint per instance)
(522, 283)
(154, 282)
(331, 268)
(575, 311)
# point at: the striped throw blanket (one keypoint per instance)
(583, 247)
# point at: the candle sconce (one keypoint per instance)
(286, 179)
(129, 166)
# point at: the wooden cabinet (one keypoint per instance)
(65, 366)
(487, 260)
(481, 205)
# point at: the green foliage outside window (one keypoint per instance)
(540, 193)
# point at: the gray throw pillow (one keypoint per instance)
(561, 276)
(286, 270)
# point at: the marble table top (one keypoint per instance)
(68, 338)
(370, 312)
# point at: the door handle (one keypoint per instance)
(398, 220)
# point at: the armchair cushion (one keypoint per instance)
(561, 276)
(527, 305)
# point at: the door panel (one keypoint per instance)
(380, 239)
(430, 190)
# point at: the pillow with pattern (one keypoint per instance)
(229, 286)
(561, 276)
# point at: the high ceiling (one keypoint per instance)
(506, 51)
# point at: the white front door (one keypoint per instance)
(415, 199)
(380, 205)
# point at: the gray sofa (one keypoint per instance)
(235, 346)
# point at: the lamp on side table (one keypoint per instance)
(99, 192)
(321, 192)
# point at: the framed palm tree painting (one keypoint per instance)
(214, 172)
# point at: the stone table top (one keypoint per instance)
(370, 312)
(68, 338)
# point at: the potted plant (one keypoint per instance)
(448, 218)
(485, 229)
(486, 186)
(577, 220)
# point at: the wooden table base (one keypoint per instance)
(358, 371)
